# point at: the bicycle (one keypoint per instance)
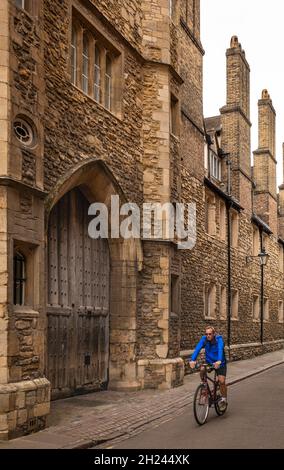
(205, 396)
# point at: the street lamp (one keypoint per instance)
(263, 258)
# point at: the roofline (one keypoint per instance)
(228, 199)
(261, 224)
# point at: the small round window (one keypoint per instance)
(24, 132)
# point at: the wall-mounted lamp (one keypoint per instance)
(263, 258)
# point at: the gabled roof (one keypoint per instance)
(213, 124)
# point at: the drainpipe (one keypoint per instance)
(229, 191)
(229, 316)
(261, 291)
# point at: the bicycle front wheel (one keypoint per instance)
(201, 405)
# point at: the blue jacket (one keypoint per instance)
(214, 350)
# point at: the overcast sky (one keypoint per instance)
(260, 29)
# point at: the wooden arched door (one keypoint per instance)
(78, 301)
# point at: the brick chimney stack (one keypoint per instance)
(238, 77)
(266, 123)
(265, 163)
(281, 204)
(236, 138)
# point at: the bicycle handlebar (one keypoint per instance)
(209, 367)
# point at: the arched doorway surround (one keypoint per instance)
(115, 364)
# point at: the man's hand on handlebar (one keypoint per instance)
(217, 365)
(192, 364)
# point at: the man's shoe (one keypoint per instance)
(223, 403)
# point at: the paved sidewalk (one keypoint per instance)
(101, 419)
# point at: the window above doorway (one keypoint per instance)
(96, 64)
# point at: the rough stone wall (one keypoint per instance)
(265, 206)
(208, 262)
(162, 375)
(194, 270)
(191, 70)
(273, 291)
(154, 300)
(23, 359)
(23, 408)
(125, 16)
(27, 79)
(156, 31)
(27, 324)
(156, 119)
(76, 127)
(193, 274)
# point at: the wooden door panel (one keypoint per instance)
(78, 299)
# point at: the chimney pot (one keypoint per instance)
(235, 42)
(265, 95)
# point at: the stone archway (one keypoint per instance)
(97, 184)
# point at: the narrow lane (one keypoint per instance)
(255, 420)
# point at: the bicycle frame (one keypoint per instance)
(205, 380)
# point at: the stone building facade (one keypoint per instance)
(101, 99)
(241, 218)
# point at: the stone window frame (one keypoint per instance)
(29, 251)
(175, 295)
(214, 166)
(85, 62)
(210, 213)
(255, 241)
(97, 37)
(20, 4)
(222, 221)
(223, 293)
(19, 278)
(281, 311)
(172, 10)
(210, 291)
(281, 258)
(265, 242)
(266, 310)
(28, 6)
(97, 74)
(206, 154)
(256, 308)
(73, 55)
(108, 80)
(235, 305)
(235, 225)
(25, 121)
(175, 113)
(190, 21)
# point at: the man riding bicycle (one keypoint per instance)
(215, 354)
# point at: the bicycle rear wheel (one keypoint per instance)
(201, 404)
